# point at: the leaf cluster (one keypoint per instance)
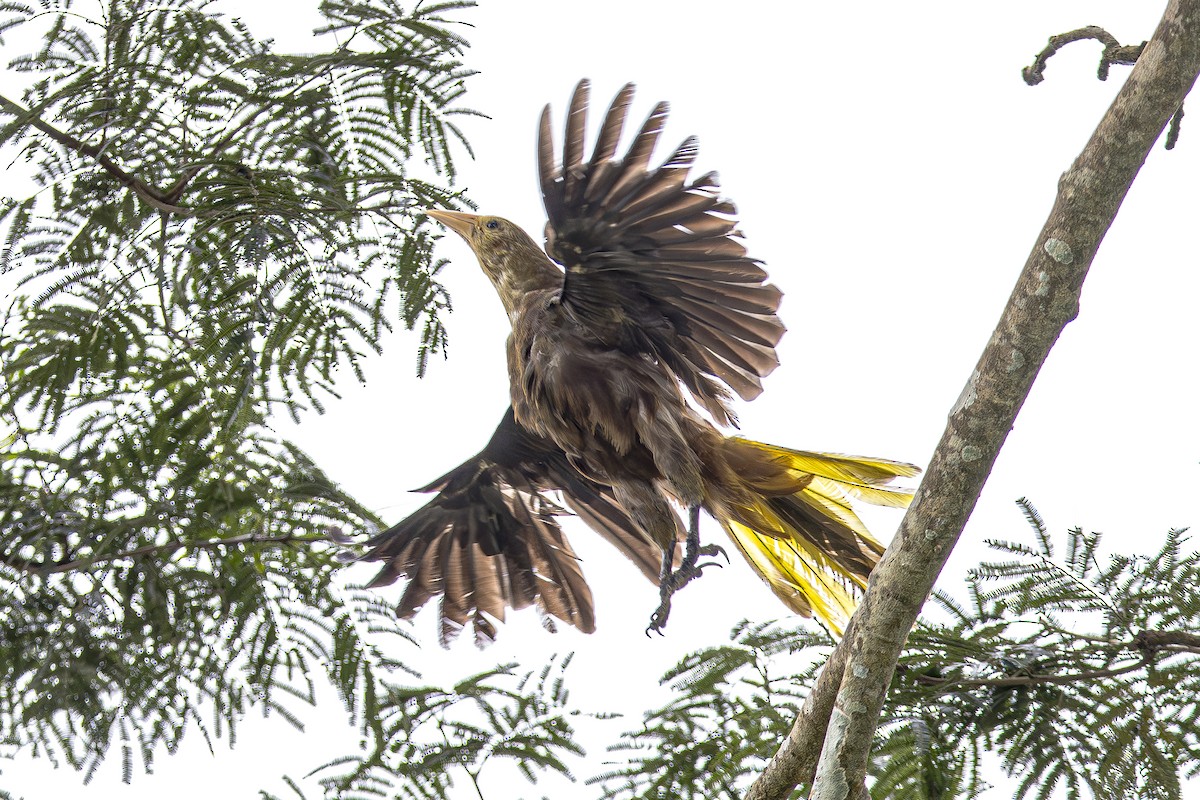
(248, 208)
(418, 739)
(732, 705)
(1081, 679)
(212, 231)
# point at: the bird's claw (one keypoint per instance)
(712, 551)
(658, 620)
(689, 569)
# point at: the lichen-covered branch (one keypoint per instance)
(1044, 300)
(1114, 53)
(1173, 129)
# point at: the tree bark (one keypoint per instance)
(1044, 300)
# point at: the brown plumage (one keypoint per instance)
(643, 299)
(490, 539)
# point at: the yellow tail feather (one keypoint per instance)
(805, 587)
(809, 546)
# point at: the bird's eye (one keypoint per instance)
(491, 224)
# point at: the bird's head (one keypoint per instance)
(507, 254)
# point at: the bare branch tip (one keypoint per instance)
(1173, 128)
(1114, 52)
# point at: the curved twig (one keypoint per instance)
(1114, 52)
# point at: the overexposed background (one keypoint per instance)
(892, 170)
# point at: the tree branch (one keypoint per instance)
(953, 684)
(326, 63)
(1044, 300)
(1147, 642)
(1173, 130)
(151, 196)
(1150, 641)
(1114, 53)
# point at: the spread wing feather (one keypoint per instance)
(653, 262)
(490, 540)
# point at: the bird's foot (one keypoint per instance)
(710, 551)
(690, 568)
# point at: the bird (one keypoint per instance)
(633, 329)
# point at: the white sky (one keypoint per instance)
(892, 170)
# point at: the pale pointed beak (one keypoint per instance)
(456, 221)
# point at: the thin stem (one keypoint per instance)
(36, 568)
(151, 196)
(472, 775)
(948, 685)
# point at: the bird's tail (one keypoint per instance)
(790, 513)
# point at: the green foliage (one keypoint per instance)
(421, 736)
(141, 603)
(1078, 678)
(257, 213)
(1083, 678)
(733, 705)
(214, 230)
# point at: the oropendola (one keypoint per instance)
(629, 333)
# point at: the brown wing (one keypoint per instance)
(490, 539)
(653, 262)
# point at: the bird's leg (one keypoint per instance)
(658, 619)
(690, 567)
(671, 581)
